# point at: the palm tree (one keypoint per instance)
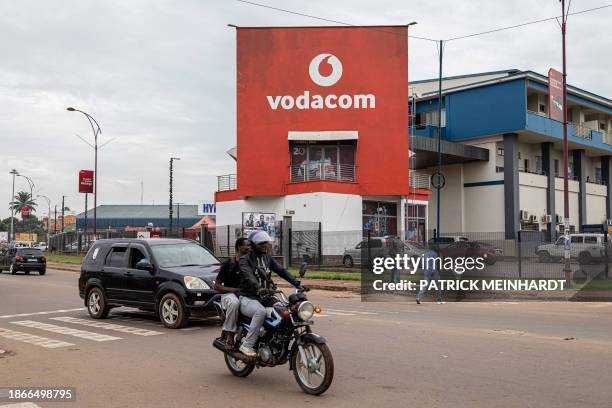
(23, 200)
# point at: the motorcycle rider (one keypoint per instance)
(227, 283)
(256, 268)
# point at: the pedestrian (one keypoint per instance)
(431, 272)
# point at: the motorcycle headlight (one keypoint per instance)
(193, 283)
(305, 310)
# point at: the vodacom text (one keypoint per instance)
(331, 101)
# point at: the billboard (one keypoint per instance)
(555, 95)
(26, 237)
(3, 237)
(253, 221)
(86, 180)
(207, 208)
(323, 85)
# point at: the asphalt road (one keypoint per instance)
(392, 354)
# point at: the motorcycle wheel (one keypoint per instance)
(316, 376)
(238, 367)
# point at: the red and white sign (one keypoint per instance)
(322, 79)
(555, 95)
(86, 181)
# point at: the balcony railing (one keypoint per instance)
(322, 171)
(420, 180)
(226, 182)
(583, 131)
(607, 137)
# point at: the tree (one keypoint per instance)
(23, 200)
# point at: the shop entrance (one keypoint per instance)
(416, 221)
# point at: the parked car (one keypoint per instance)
(174, 278)
(585, 247)
(378, 247)
(40, 245)
(472, 249)
(441, 243)
(17, 259)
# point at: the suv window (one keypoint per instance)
(29, 252)
(136, 256)
(590, 240)
(116, 258)
(376, 243)
(577, 240)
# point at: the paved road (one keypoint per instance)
(394, 354)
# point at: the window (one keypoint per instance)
(538, 164)
(323, 161)
(590, 240)
(577, 240)
(136, 256)
(542, 108)
(527, 165)
(598, 175)
(379, 218)
(116, 258)
(500, 151)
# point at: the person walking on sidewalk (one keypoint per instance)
(431, 272)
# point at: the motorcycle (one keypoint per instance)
(286, 336)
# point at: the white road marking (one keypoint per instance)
(107, 326)
(21, 405)
(32, 339)
(40, 313)
(66, 331)
(351, 311)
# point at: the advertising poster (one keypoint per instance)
(252, 221)
(555, 95)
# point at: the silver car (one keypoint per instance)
(584, 247)
(381, 247)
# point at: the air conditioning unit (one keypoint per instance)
(546, 218)
(533, 218)
(524, 215)
(608, 222)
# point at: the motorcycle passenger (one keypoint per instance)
(227, 282)
(255, 283)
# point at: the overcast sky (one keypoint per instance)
(159, 76)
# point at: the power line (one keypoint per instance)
(329, 20)
(527, 23)
(425, 38)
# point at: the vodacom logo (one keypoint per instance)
(315, 74)
(306, 100)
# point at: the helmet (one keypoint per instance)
(258, 237)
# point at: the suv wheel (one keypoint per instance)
(348, 261)
(585, 258)
(172, 312)
(96, 304)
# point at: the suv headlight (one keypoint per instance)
(193, 283)
(305, 310)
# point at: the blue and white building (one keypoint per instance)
(502, 154)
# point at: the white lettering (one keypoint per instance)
(308, 101)
(328, 102)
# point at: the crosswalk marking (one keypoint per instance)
(107, 326)
(41, 313)
(32, 339)
(66, 331)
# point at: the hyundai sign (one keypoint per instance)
(207, 208)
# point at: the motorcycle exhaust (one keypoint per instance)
(219, 344)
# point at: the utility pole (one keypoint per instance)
(567, 264)
(178, 218)
(170, 201)
(63, 206)
(438, 177)
(55, 221)
(14, 172)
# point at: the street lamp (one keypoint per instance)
(170, 204)
(14, 172)
(96, 131)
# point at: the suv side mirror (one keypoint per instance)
(144, 265)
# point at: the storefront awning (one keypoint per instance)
(324, 136)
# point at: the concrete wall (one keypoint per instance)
(573, 200)
(595, 203)
(532, 194)
(452, 207)
(484, 208)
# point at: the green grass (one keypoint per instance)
(335, 275)
(65, 259)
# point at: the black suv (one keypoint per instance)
(23, 259)
(172, 277)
